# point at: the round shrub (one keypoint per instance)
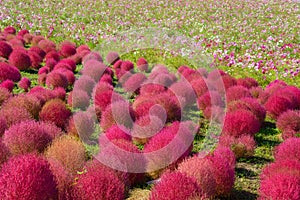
(20, 60)
(183, 89)
(93, 55)
(23, 32)
(215, 74)
(237, 92)
(120, 113)
(26, 137)
(134, 82)
(67, 50)
(68, 74)
(25, 84)
(15, 115)
(106, 78)
(280, 186)
(56, 79)
(227, 154)
(7, 84)
(35, 59)
(242, 146)
(224, 175)
(84, 125)
(199, 86)
(4, 95)
(289, 149)
(93, 69)
(30, 103)
(28, 38)
(145, 127)
(62, 66)
(105, 98)
(27, 177)
(142, 64)
(4, 153)
(256, 92)
(8, 72)
(79, 99)
(200, 169)
(9, 30)
(249, 104)
(42, 94)
(112, 57)
(116, 132)
(277, 104)
(289, 120)
(52, 55)
(247, 82)
(85, 83)
(99, 183)
(214, 113)
(69, 62)
(37, 50)
(240, 122)
(55, 111)
(35, 40)
(210, 98)
(5, 49)
(47, 45)
(50, 63)
(223, 83)
(175, 185)
(163, 79)
(151, 89)
(68, 151)
(127, 65)
(82, 48)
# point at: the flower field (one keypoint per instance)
(79, 120)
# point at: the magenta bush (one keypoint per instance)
(85, 83)
(27, 177)
(227, 154)
(237, 92)
(151, 89)
(112, 57)
(56, 79)
(9, 30)
(116, 132)
(289, 120)
(52, 55)
(93, 55)
(8, 72)
(4, 95)
(67, 50)
(210, 98)
(25, 84)
(175, 185)
(99, 183)
(240, 122)
(134, 82)
(199, 86)
(278, 104)
(200, 169)
(37, 50)
(105, 98)
(5, 49)
(289, 149)
(7, 84)
(93, 69)
(4, 153)
(55, 111)
(26, 137)
(118, 112)
(47, 45)
(35, 59)
(15, 115)
(142, 64)
(247, 82)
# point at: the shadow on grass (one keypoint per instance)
(242, 172)
(242, 195)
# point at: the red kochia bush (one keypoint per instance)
(93, 69)
(142, 64)
(240, 122)
(9, 72)
(176, 185)
(280, 186)
(210, 98)
(5, 49)
(26, 137)
(224, 175)
(151, 89)
(289, 149)
(278, 104)
(68, 151)
(227, 154)
(289, 120)
(56, 79)
(25, 84)
(9, 30)
(55, 111)
(47, 45)
(99, 183)
(27, 177)
(20, 60)
(119, 112)
(67, 50)
(4, 95)
(117, 132)
(93, 55)
(237, 92)
(83, 124)
(69, 62)
(202, 170)
(247, 82)
(4, 153)
(37, 50)
(199, 86)
(7, 84)
(79, 99)
(85, 83)
(35, 59)
(134, 82)
(19, 115)
(112, 57)
(249, 104)
(105, 98)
